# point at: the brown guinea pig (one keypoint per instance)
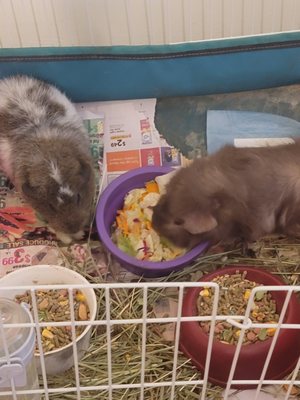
(44, 150)
(236, 194)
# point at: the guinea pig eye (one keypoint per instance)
(78, 199)
(178, 221)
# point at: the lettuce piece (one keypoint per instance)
(124, 244)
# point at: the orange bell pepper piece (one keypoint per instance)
(152, 187)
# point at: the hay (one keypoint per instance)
(279, 255)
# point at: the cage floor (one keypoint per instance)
(276, 254)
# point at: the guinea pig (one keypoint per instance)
(234, 195)
(44, 150)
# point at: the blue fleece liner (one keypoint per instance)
(131, 72)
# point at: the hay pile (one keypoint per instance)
(276, 254)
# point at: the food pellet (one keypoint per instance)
(54, 306)
(235, 291)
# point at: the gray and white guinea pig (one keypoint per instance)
(234, 195)
(44, 150)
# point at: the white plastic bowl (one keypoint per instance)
(59, 360)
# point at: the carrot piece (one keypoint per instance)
(136, 229)
(152, 187)
(148, 225)
(122, 223)
(119, 221)
(125, 226)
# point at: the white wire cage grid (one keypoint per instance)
(243, 322)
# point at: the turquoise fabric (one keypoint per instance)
(127, 72)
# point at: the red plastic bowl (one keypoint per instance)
(194, 341)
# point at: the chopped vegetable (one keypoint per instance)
(133, 232)
(163, 180)
(152, 187)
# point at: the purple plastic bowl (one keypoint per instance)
(112, 200)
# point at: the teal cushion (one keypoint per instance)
(128, 72)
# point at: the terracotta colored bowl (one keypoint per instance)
(194, 341)
(111, 200)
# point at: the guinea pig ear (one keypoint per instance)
(196, 223)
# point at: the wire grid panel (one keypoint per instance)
(37, 23)
(118, 321)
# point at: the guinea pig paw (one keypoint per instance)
(78, 235)
(50, 229)
(63, 237)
